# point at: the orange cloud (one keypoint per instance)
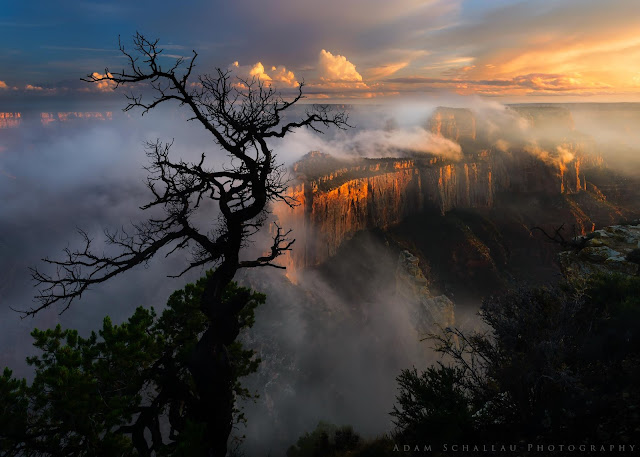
(3, 85)
(337, 68)
(34, 88)
(384, 71)
(258, 72)
(530, 84)
(351, 95)
(279, 76)
(554, 82)
(104, 85)
(596, 49)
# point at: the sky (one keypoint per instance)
(531, 51)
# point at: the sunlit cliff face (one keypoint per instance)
(12, 120)
(380, 194)
(544, 155)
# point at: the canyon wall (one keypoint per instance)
(322, 219)
(335, 198)
(453, 123)
(330, 208)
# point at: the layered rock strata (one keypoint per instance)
(378, 193)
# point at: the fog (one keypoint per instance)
(79, 174)
(331, 348)
(331, 352)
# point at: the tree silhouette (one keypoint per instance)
(125, 390)
(242, 116)
(555, 364)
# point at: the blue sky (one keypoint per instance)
(372, 48)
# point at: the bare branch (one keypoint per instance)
(557, 237)
(281, 244)
(242, 115)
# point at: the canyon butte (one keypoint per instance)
(468, 219)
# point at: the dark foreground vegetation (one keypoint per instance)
(105, 394)
(559, 366)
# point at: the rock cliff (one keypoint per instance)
(613, 249)
(453, 123)
(337, 197)
(426, 309)
(379, 193)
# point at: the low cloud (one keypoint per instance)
(392, 143)
(397, 142)
(3, 85)
(558, 158)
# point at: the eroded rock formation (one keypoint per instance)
(453, 123)
(613, 249)
(337, 197)
(378, 193)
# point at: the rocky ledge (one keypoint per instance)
(427, 310)
(614, 249)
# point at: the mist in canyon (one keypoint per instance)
(456, 188)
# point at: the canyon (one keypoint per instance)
(388, 249)
(333, 198)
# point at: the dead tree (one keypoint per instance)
(242, 116)
(576, 242)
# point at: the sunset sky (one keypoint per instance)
(536, 50)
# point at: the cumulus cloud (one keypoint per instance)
(278, 75)
(104, 85)
(281, 74)
(33, 88)
(3, 85)
(337, 68)
(258, 72)
(338, 78)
